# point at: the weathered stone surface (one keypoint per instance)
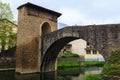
(31, 19)
(105, 38)
(37, 52)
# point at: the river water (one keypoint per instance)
(61, 74)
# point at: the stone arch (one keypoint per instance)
(49, 59)
(45, 28)
(50, 56)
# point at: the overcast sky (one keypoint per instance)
(78, 12)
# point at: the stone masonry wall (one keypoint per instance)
(28, 40)
(105, 38)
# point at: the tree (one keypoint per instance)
(7, 36)
(5, 11)
(112, 66)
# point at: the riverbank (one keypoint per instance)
(93, 63)
(100, 77)
(78, 64)
(93, 77)
(68, 64)
(7, 63)
(7, 69)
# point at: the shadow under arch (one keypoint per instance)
(45, 28)
(49, 59)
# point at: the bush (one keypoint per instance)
(111, 69)
(68, 64)
(112, 66)
(93, 77)
(68, 55)
(115, 57)
(93, 63)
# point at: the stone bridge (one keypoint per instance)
(39, 41)
(104, 38)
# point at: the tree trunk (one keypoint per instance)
(3, 48)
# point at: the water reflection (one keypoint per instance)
(50, 76)
(7, 75)
(94, 70)
(61, 74)
(27, 77)
(71, 74)
(42, 76)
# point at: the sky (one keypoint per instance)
(77, 12)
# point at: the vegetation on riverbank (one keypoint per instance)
(94, 63)
(85, 63)
(111, 69)
(68, 55)
(68, 64)
(77, 64)
(93, 77)
(112, 66)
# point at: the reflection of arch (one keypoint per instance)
(46, 28)
(49, 59)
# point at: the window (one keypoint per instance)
(88, 52)
(94, 52)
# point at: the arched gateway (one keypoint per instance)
(33, 22)
(39, 41)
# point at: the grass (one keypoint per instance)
(74, 64)
(93, 63)
(68, 64)
(93, 77)
(77, 64)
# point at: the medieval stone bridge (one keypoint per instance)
(39, 41)
(104, 38)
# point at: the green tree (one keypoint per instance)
(7, 36)
(112, 66)
(5, 11)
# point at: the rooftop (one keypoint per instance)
(40, 8)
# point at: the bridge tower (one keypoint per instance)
(33, 22)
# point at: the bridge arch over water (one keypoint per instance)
(97, 36)
(38, 46)
(52, 52)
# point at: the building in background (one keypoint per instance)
(81, 48)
